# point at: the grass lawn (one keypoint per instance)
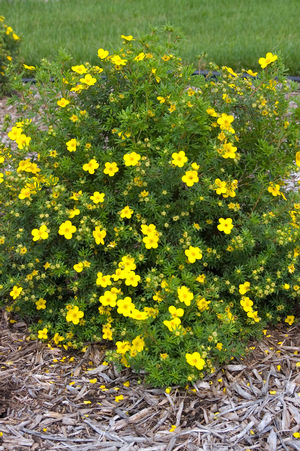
(234, 33)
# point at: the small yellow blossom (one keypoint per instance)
(193, 254)
(290, 319)
(43, 334)
(63, 102)
(225, 225)
(74, 315)
(269, 58)
(179, 158)
(195, 359)
(16, 291)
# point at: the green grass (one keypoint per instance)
(231, 32)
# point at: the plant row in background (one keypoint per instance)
(147, 208)
(9, 46)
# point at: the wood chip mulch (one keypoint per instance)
(54, 400)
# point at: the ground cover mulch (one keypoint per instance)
(51, 399)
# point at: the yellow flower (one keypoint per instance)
(16, 291)
(91, 166)
(67, 229)
(110, 168)
(63, 102)
(131, 159)
(140, 316)
(74, 315)
(57, 338)
(140, 57)
(125, 306)
(99, 235)
(219, 346)
(25, 193)
(289, 319)
(109, 298)
(201, 278)
(138, 344)
(270, 58)
(132, 279)
(40, 234)
(102, 280)
(78, 267)
(127, 38)
(176, 312)
(227, 150)
(212, 112)
(225, 122)
(41, 304)
(246, 303)
(274, 189)
(71, 145)
(185, 295)
(127, 262)
(126, 212)
(14, 133)
(225, 225)
(88, 80)
(122, 347)
(107, 332)
(221, 187)
(179, 159)
(230, 71)
(195, 359)
(43, 334)
(250, 72)
(243, 288)
(74, 212)
(23, 141)
(81, 69)
(193, 254)
(190, 178)
(118, 61)
(151, 241)
(202, 304)
(28, 67)
(253, 315)
(102, 54)
(161, 99)
(97, 197)
(173, 325)
(298, 158)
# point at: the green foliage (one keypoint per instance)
(9, 44)
(147, 207)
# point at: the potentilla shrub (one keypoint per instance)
(9, 45)
(147, 209)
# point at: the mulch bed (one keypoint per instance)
(54, 400)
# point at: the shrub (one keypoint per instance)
(148, 209)
(9, 44)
